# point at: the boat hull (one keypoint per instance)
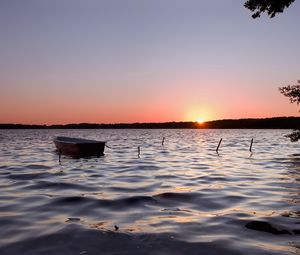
(78, 148)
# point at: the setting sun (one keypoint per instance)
(200, 120)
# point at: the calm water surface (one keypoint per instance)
(179, 198)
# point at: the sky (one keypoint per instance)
(124, 61)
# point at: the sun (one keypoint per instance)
(200, 120)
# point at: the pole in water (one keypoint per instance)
(139, 151)
(163, 140)
(250, 149)
(219, 144)
(59, 155)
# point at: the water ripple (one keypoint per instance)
(179, 198)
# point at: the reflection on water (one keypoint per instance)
(181, 197)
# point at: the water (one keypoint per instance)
(179, 198)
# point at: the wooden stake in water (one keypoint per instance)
(251, 145)
(219, 144)
(139, 151)
(59, 155)
(163, 140)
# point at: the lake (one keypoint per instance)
(177, 198)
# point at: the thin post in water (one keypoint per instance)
(139, 151)
(219, 144)
(163, 140)
(250, 149)
(59, 155)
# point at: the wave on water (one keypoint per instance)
(178, 198)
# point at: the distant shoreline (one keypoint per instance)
(249, 123)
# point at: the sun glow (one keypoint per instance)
(200, 120)
(199, 113)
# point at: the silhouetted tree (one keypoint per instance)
(271, 7)
(293, 92)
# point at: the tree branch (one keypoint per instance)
(271, 7)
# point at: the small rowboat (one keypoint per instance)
(78, 147)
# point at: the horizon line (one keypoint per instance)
(134, 123)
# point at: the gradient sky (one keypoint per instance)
(111, 61)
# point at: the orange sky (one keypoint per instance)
(172, 102)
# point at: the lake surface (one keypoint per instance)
(178, 198)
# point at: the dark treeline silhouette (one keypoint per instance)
(105, 126)
(267, 123)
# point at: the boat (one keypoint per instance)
(78, 147)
